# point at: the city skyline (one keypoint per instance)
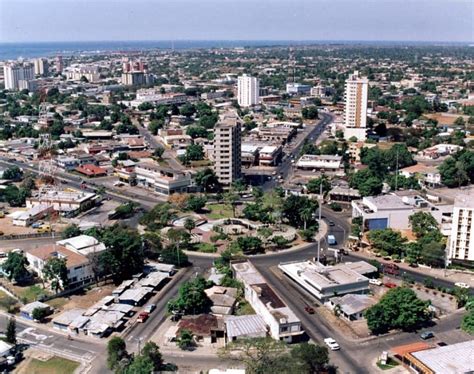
(389, 20)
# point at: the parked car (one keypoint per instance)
(331, 223)
(44, 228)
(391, 269)
(142, 317)
(462, 285)
(149, 308)
(332, 344)
(376, 282)
(427, 335)
(309, 310)
(390, 285)
(441, 344)
(37, 225)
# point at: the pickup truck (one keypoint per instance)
(142, 317)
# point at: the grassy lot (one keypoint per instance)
(30, 293)
(6, 302)
(55, 365)
(218, 211)
(57, 303)
(206, 248)
(244, 309)
(391, 363)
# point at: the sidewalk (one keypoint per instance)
(448, 274)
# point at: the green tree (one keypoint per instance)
(187, 110)
(196, 132)
(399, 308)
(124, 256)
(310, 357)
(39, 314)
(207, 180)
(196, 203)
(310, 112)
(433, 254)
(71, 231)
(55, 271)
(191, 297)
(314, 185)
(422, 223)
(139, 365)
(12, 173)
(16, 266)
(194, 152)
(189, 224)
(371, 187)
(186, 340)
(299, 211)
(10, 335)
(152, 352)
(116, 351)
(158, 152)
(248, 245)
(387, 240)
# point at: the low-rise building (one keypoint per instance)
(320, 162)
(33, 214)
(323, 282)
(283, 323)
(244, 327)
(164, 181)
(63, 201)
(351, 306)
(79, 269)
(91, 171)
(393, 211)
(427, 175)
(223, 299)
(26, 311)
(83, 244)
(270, 155)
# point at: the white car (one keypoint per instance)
(376, 282)
(462, 285)
(332, 344)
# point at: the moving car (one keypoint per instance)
(376, 282)
(427, 335)
(332, 344)
(309, 310)
(462, 285)
(332, 240)
(331, 223)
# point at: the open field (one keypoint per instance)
(55, 365)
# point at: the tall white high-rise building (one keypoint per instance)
(355, 116)
(461, 244)
(248, 91)
(41, 66)
(14, 73)
(227, 149)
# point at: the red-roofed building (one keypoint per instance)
(91, 171)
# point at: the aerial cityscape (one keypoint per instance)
(195, 190)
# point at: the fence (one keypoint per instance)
(30, 236)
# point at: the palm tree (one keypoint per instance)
(306, 214)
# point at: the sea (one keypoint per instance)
(13, 51)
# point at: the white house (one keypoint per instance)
(328, 162)
(78, 265)
(83, 244)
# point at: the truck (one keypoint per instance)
(142, 317)
(332, 240)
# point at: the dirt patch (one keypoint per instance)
(356, 329)
(85, 300)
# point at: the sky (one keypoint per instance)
(371, 20)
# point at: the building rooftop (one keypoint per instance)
(135, 294)
(450, 359)
(49, 250)
(386, 202)
(353, 303)
(247, 272)
(84, 244)
(320, 276)
(245, 325)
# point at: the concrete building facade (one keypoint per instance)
(227, 149)
(248, 91)
(355, 115)
(461, 245)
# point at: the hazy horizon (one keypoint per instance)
(437, 21)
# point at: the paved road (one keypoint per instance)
(285, 167)
(55, 342)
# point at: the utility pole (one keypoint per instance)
(396, 174)
(319, 221)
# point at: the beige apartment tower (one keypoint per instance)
(227, 149)
(355, 114)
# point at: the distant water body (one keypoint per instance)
(11, 51)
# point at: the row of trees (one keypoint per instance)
(429, 248)
(148, 360)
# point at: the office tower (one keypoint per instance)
(248, 91)
(59, 64)
(461, 246)
(356, 106)
(41, 67)
(227, 149)
(15, 72)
